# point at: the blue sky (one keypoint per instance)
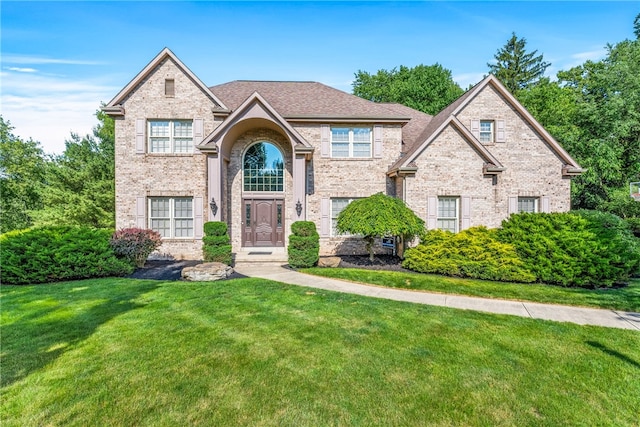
(60, 60)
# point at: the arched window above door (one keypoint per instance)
(263, 168)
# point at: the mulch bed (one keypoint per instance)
(171, 269)
(380, 262)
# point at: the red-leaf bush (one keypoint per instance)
(135, 244)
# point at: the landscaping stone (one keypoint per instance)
(329, 261)
(207, 272)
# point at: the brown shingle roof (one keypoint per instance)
(304, 100)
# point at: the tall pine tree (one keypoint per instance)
(515, 67)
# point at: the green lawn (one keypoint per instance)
(626, 298)
(122, 352)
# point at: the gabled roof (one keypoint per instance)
(300, 101)
(254, 107)
(491, 164)
(435, 126)
(114, 106)
(412, 130)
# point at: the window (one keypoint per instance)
(263, 168)
(337, 206)
(350, 142)
(486, 131)
(171, 136)
(448, 214)
(528, 204)
(169, 87)
(171, 217)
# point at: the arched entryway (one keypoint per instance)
(263, 195)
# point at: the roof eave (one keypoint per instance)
(113, 110)
(347, 119)
(570, 170)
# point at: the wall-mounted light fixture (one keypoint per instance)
(299, 207)
(213, 206)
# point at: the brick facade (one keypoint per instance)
(448, 165)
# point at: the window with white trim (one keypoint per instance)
(170, 136)
(172, 217)
(486, 131)
(351, 142)
(528, 204)
(337, 206)
(448, 213)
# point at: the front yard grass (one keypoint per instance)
(123, 352)
(623, 298)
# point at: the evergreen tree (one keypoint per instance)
(515, 67)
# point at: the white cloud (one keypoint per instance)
(25, 59)
(22, 70)
(48, 108)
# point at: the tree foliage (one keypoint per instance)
(379, 216)
(424, 88)
(81, 181)
(515, 67)
(593, 110)
(22, 170)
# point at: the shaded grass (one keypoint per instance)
(255, 352)
(625, 298)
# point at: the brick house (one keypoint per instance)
(260, 155)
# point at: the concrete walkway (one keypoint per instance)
(560, 313)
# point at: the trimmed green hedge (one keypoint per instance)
(475, 252)
(51, 254)
(216, 247)
(304, 245)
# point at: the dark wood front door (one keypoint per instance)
(262, 222)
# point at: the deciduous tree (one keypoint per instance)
(379, 216)
(22, 166)
(426, 88)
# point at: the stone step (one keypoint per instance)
(261, 256)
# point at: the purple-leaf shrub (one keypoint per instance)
(135, 244)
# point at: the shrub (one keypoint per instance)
(215, 228)
(51, 254)
(135, 244)
(216, 247)
(634, 225)
(304, 245)
(579, 248)
(474, 252)
(220, 253)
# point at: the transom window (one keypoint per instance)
(350, 142)
(171, 136)
(172, 217)
(486, 131)
(448, 214)
(263, 168)
(528, 204)
(337, 206)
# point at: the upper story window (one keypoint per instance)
(171, 136)
(351, 142)
(263, 168)
(486, 131)
(448, 214)
(528, 204)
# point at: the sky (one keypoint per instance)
(59, 61)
